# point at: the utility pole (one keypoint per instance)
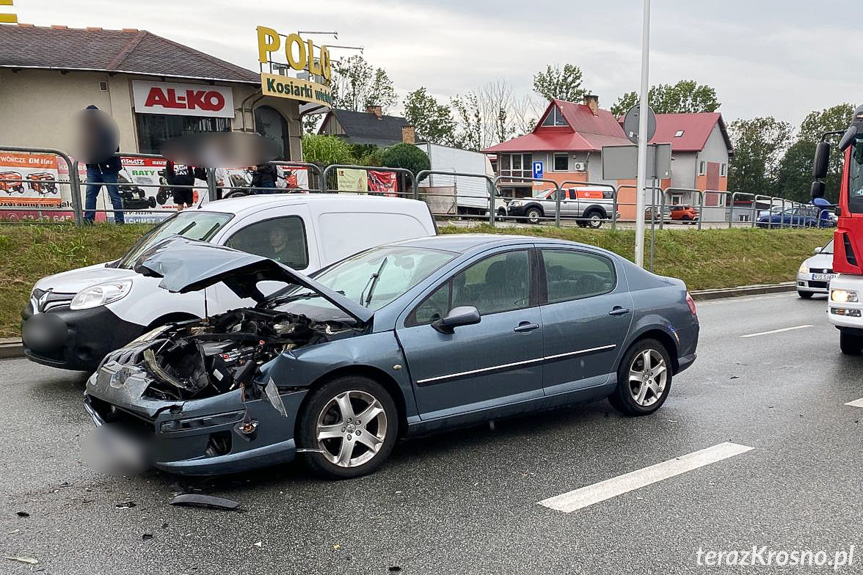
(642, 137)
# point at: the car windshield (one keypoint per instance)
(192, 224)
(828, 249)
(375, 277)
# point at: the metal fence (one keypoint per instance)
(462, 199)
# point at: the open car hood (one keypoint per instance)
(189, 265)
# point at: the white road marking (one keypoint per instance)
(574, 500)
(856, 403)
(778, 330)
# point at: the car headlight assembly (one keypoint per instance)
(516, 203)
(844, 296)
(101, 294)
(803, 269)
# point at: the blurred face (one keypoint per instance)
(278, 237)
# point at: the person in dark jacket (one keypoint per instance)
(183, 175)
(103, 172)
(264, 176)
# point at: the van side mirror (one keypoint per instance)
(822, 160)
(817, 250)
(817, 190)
(458, 316)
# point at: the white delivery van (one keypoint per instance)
(75, 318)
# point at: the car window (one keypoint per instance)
(192, 224)
(572, 275)
(281, 239)
(828, 249)
(495, 284)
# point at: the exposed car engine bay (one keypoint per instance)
(194, 360)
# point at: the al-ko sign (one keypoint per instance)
(182, 99)
(300, 55)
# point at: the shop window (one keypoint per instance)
(561, 162)
(516, 165)
(155, 129)
(271, 124)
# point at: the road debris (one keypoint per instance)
(21, 559)
(207, 501)
(126, 505)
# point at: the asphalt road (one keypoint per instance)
(467, 501)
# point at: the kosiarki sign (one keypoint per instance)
(299, 55)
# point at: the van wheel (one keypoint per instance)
(849, 343)
(805, 294)
(351, 423)
(643, 379)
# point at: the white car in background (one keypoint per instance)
(815, 273)
(77, 317)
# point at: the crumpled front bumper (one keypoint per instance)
(194, 437)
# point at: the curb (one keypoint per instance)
(708, 294)
(11, 348)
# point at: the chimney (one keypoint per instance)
(409, 135)
(592, 102)
(376, 110)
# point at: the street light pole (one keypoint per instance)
(642, 137)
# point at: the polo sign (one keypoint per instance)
(311, 65)
(182, 99)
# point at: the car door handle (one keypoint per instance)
(525, 326)
(617, 310)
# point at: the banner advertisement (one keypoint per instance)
(352, 180)
(383, 182)
(30, 181)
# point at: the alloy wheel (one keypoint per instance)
(351, 428)
(648, 375)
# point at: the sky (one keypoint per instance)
(781, 58)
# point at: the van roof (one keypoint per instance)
(351, 202)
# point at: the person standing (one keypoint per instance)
(104, 172)
(263, 176)
(183, 175)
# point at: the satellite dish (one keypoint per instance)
(630, 124)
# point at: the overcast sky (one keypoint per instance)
(764, 57)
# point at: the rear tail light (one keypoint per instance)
(691, 303)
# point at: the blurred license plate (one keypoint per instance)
(823, 277)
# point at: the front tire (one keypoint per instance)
(594, 220)
(533, 215)
(643, 379)
(805, 294)
(849, 343)
(353, 422)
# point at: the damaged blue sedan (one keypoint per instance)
(398, 340)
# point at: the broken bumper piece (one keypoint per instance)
(209, 436)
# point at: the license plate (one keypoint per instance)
(823, 277)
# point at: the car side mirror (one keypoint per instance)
(817, 251)
(458, 316)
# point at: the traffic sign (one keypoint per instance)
(630, 124)
(537, 170)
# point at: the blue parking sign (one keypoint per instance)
(537, 169)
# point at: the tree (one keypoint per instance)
(486, 116)
(357, 85)
(326, 150)
(685, 97)
(406, 156)
(555, 83)
(433, 121)
(758, 147)
(470, 120)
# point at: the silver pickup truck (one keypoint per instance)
(589, 206)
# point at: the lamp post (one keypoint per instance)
(642, 137)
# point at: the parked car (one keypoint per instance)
(402, 339)
(797, 217)
(64, 324)
(684, 213)
(590, 205)
(816, 272)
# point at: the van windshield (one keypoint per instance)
(192, 224)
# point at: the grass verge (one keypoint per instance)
(703, 259)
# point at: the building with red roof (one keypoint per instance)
(568, 140)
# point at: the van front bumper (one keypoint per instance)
(74, 339)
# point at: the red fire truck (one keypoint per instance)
(845, 302)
